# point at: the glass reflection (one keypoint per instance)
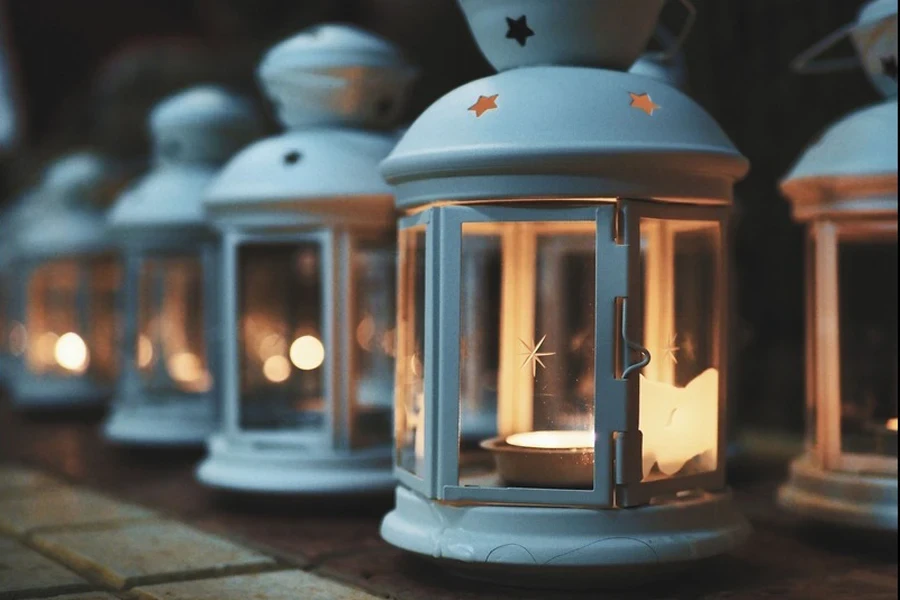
(679, 389)
(867, 272)
(171, 344)
(409, 412)
(282, 350)
(527, 341)
(374, 295)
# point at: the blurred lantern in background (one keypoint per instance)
(11, 286)
(63, 326)
(562, 262)
(844, 188)
(169, 353)
(308, 306)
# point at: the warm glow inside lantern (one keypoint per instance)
(561, 318)
(70, 278)
(166, 393)
(844, 188)
(310, 250)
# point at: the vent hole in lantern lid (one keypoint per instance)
(171, 148)
(292, 157)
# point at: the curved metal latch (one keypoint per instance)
(688, 26)
(645, 354)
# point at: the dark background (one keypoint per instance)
(89, 69)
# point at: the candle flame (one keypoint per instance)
(307, 353)
(892, 424)
(71, 353)
(276, 369)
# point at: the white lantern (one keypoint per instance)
(309, 246)
(844, 189)
(562, 258)
(69, 274)
(166, 393)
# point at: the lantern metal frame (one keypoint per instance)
(326, 460)
(162, 218)
(844, 188)
(594, 154)
(337, 90)
(71, 226)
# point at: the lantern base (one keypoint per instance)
(38, 393)
(562, 547)
(256, 466)
(851, 499)
(173, 423)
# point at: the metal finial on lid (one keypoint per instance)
(336, 75)
(81, 179)
(204, 124)
(875, 38)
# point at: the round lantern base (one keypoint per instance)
(851, 499)
(566, 547)
(36, 393)
(253, 466)
(172, 424)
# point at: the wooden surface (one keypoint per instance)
(339, 539)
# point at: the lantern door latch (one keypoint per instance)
(628, 449)
(627, 367)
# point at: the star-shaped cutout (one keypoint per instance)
(533, 355)
(484, 104)
(644, 102)
(672, 348)
(889, 66)
(519, 30)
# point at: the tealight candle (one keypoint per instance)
(554, 440)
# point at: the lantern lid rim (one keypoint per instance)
(167, 197)
(322, 167)
(64, 231)
(858, 149)
(569, 122)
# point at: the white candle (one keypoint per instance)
(555, 440)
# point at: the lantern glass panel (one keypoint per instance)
(282, 350)
(375, 274)
(171, 345)
(71, 318)
(409, 397)
(679, 388)
(867, 275)
(527, 295)
(104, 325)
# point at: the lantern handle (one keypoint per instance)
(688, 26)
(806, 63)
(645, 354)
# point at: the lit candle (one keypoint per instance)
(554, 440)
(891, 424)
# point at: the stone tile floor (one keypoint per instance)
(96, 522)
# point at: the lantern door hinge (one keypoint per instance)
(628, 448)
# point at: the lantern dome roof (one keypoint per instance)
(336, 74)
(66, 214)
(545, 132)
(875, 11)
(202, 124)
(168, 197)
(855, 157)
(595, 33)
(327, 170)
